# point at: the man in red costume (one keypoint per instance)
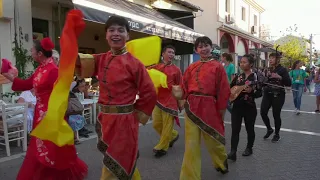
(166, 110)
(121, 78)
(206, 90)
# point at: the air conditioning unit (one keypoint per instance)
(6, 9)
(229, 19)
(254, 29)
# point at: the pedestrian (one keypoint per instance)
(317, 89)
(298, 77)
(274, 96)
(166, 110)
(309, 80)
(230, 70)
(206, 90)
(244, 106)
(121, 78)
(44, 159)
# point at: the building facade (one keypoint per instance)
(234, 25)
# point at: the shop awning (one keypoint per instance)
(140, 18)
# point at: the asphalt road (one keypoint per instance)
(295, 157)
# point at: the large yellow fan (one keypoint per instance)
(148, 51)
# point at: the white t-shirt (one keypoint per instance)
(28, 97)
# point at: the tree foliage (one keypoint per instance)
(293, 47)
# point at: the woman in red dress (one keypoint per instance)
(45, 160)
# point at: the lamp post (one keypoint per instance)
(311, 38)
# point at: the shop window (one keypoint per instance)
(227, 6)
(40, 28)
(243, 14)
(255, 19)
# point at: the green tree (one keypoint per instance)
(293, 48)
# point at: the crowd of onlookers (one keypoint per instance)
(303, 79)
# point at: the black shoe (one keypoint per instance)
(159, 153)
(247, 152)
(85, 131)
(232, 155)
(226, 170)
(269, 132)
(173, 141)
(84, 135)
(276, 138)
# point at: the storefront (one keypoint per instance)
(239, 43)
(143, 22)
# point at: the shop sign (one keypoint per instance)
(178, 57)
(138, 24)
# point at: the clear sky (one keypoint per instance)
(281, 14)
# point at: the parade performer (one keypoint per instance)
(44, 159)
(121, 77)
(244, 106)
(274, 96)
(167, 107)
(206, 90)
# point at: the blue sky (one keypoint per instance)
(280, 14)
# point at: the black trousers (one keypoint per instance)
(248, 112)
(276, 102)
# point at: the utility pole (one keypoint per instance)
(311, 36)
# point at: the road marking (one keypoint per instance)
(289, 110)
(21, 155)
(285, 130)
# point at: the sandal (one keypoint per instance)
(77, 142)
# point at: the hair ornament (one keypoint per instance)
(47, 44)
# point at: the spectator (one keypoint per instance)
(29, 97)
(74, 114)
(80, 87)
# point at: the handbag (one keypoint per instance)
(74, 107)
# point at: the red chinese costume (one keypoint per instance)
(166, 110)
(121, 77)
(45, 160)
(206, 90)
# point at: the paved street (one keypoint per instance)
(295, 157)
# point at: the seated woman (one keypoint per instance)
(29, 97)
(80, 87)
(74, 113)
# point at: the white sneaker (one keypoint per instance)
(298, 112)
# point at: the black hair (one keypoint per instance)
(295, 64)
(168, 47)
(250, 58)
(117, 20)
(202, 40)
(75, 88)
(94, 80)
(277, 55)
(38, 47)
(228, 57)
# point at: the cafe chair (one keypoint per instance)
(13, 125)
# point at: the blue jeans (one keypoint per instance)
(297, 94)
(229, 107)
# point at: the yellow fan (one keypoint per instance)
(158, 78)
(147, 50)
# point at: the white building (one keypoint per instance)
(232, 24)
(45, 18)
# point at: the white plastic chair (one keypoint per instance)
(14, 125)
